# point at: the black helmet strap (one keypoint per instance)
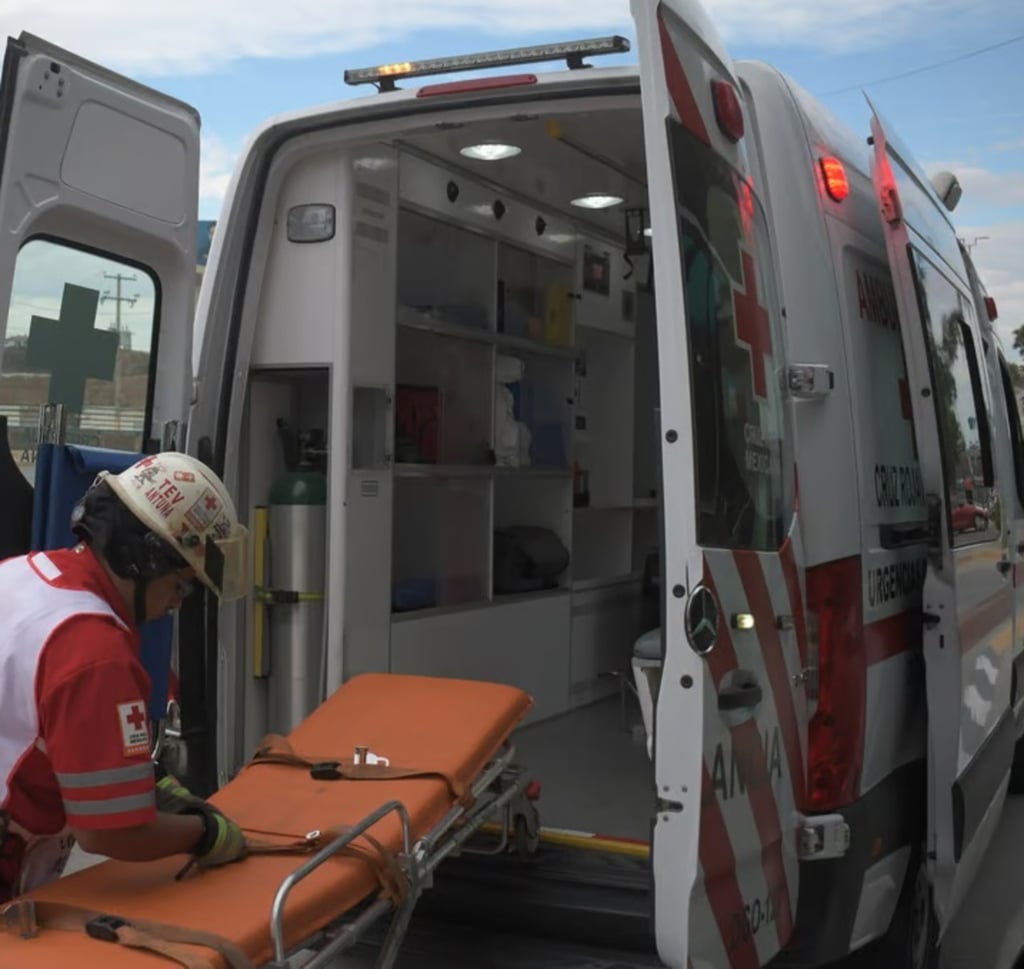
(133, 551)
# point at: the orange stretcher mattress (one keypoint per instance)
(452, 726)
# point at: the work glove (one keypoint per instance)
(172, 797)
(223, 841)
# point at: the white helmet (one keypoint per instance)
(184, 503)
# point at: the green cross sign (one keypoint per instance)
(71, 348)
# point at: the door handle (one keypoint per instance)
(739, 697)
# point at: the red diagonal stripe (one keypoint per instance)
(796, 599)
(891, 636)
(679, 87)
(747, 741)
(720, 884)
(760, 604)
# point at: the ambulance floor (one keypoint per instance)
(593, 768)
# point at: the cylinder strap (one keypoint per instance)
(168, 941)
(275, 749)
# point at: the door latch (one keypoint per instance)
(822, 837)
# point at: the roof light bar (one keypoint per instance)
(572, 52)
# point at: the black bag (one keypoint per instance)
(527, 558)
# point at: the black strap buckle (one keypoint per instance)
(326, 770)
(104, 928)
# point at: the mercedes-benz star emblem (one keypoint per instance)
(702, 620)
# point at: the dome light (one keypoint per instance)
(597, 200)
(490, 152)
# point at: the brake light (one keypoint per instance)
(835, 747)
(836, 183)
(477, 84)
(990, 308)
(728, 112)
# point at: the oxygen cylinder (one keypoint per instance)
(297, 530)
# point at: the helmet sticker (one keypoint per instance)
(201, 515)
(164, 498)
(144, 475)
(186, 476)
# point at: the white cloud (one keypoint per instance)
(216, 163)
(999, 259)
(194, 36)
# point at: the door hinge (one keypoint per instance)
(822, 837)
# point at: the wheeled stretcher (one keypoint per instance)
(348, 817)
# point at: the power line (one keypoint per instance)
(927, 67)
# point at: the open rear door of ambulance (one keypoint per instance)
(99, 185)
(727, 746)
(968, 618)
(98, 209)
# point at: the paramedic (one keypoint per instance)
(75, 750)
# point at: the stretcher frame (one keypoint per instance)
(500, 788)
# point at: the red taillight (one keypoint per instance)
(990, 308)
(835, 178)
(477, 84)
(728, 112)
(835, 747)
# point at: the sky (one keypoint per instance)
(240, 61)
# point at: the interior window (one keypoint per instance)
(960, 405)
(735, 351)
(79, 332)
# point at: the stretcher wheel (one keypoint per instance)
(526, 834)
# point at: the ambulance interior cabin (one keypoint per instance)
(455, 341)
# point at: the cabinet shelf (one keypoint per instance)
(407, 470)
(503, 341)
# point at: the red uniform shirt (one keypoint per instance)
(74, 730)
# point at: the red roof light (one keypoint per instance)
(727, 109)
(835, 178)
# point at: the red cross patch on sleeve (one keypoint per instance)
(134, 727)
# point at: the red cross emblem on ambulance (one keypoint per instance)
(752, 326)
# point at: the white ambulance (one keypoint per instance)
(613, 384)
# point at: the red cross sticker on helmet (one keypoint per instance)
(187, 505)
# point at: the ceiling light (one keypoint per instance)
(374, 164)
(491, 152)
(597, 200)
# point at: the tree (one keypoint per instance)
(1018, 340)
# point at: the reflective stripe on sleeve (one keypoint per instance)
(107, 777)
(111, 805)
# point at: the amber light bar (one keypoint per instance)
(572, 52)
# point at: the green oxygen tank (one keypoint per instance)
(297, 540)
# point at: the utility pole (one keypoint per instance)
(121, 334)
